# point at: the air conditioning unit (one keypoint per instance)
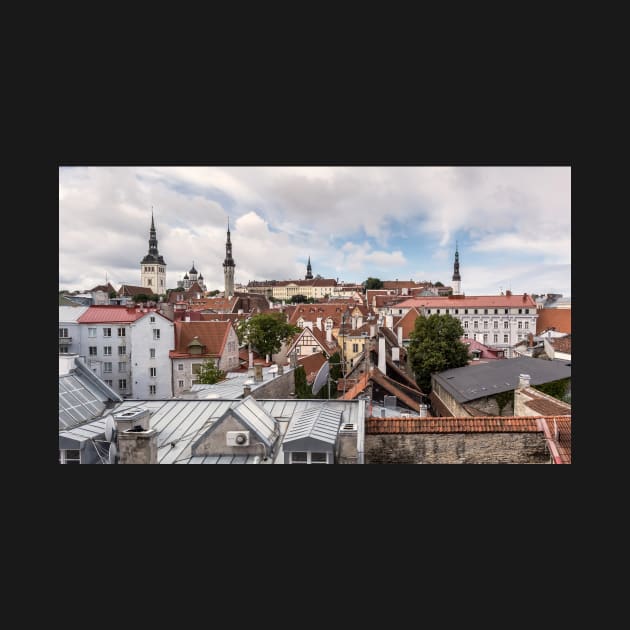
(237, 438)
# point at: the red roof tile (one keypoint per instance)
(473, 301)
(312, 365)
(112, 315)
(558, 318)
(481, 424)
(212, 335)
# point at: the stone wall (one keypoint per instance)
(278, 387)
(456, 448)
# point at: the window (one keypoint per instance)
(148, 282)
(153, 372)
(520, 325)
(91, 332)
(319, 458)
(107, 332)
(93, 351)
(476, 311)
(465, 335)
(506, 311)
(447, 311)
(109, 382)
(506, 324)
(107, 351)
(526, 311)
(152, 319)
(400, 311)
(496, 324)
(429, 311)
(466, 324)
(485, 338)
(475, 324)
(122, 350)
(180, 384)
(122, 383)
(69, 457)
(438, 311)
(456, 311)
(122, 332)
(156, 333)
(520, 311)
(526, 324)
(180, 367)
(485, 324)
(152, 389)
(485, 311)
(152, 353)
(496, 311)
(355, 347)
(63, 332)
(298, 457)
(122, 366)
(196, 368)
(107, 367)
(506, 338)
(475, 336)
(63, 349)
(465, 311)
(495, 338)
(314, 349)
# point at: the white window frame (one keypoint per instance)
(156, 334)
(180, 384)
(92, 333)
(152, 372)
(506, 338)
(122, 351)
(122, 332)
(107, 351)
(180, 367)
(64, 459)
(122, 383)
(63, 333)
(105, 364)
(107, 332)
(92, 354)
(122, 367)
(308, 457)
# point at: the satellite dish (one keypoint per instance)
(321, 378)
(113, 454)
(110, 429)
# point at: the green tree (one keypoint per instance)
(266, 332)
(143, 297)
(373, 283)
(209, 373)
(298, 299)
(113, 294)
(435, 346)
(438, 284)
(213, 293)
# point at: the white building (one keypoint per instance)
(120, 353)
(69, 335)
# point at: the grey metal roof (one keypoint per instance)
(221, 459)
(477, 381)
(257, 418)
(319, 424)
(181, 422)
(232, 387)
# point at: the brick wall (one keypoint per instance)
(278, 387)
(456, 448)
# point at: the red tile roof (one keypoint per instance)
(558, 318)
(561, 344)
(312, 365)
(130, 290)
(559, 446)
(480, 424)
(473, 301)
(543, 404)
(310, 312)
(212, 335)
(112, 315)
(408, 322)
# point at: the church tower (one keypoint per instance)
(457, 279)
(152, 266)
(309, 271)
(228, 265)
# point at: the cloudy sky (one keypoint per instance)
(512, 224)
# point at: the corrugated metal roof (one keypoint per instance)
(320, 424)
(89, 431)
(472, 382)
(257, 418)
(110, 315)
(77, 402)
(221, 459)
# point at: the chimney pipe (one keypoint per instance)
(247, 390)
(382, 365)
(372, 330)
(400, 336)
(258, 372)
(329, 335)
(523, 380)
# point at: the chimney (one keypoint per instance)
(381, 355)
(319, 323)
(138, 446)
(280, 369)
(359, 321)
(187, 318)
(389, 321)
(329, 335)
(354, 323)
(400, 336)
(126, 420)
(372, 330)
(258, 373)
(395, 353)
(530, 340)
(524, 297)
(508, 293)
(247, 390)
(523, 380)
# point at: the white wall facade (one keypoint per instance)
(152, 353)
(69, 329)
(153, 276)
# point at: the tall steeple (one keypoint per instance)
(228, 265)
(152, 266)
(309, 272)
(457, 279)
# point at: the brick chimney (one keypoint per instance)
(530, 340)
(508, 293)
(258, 373)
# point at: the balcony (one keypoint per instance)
(65, 340)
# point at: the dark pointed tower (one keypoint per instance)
(309, 271)
(228, 265)
(152, 266)
(457, 279)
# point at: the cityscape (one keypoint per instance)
(314, 315)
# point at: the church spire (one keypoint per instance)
(154, 255)
(309, 271)
(457, 279)
(228, 265)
